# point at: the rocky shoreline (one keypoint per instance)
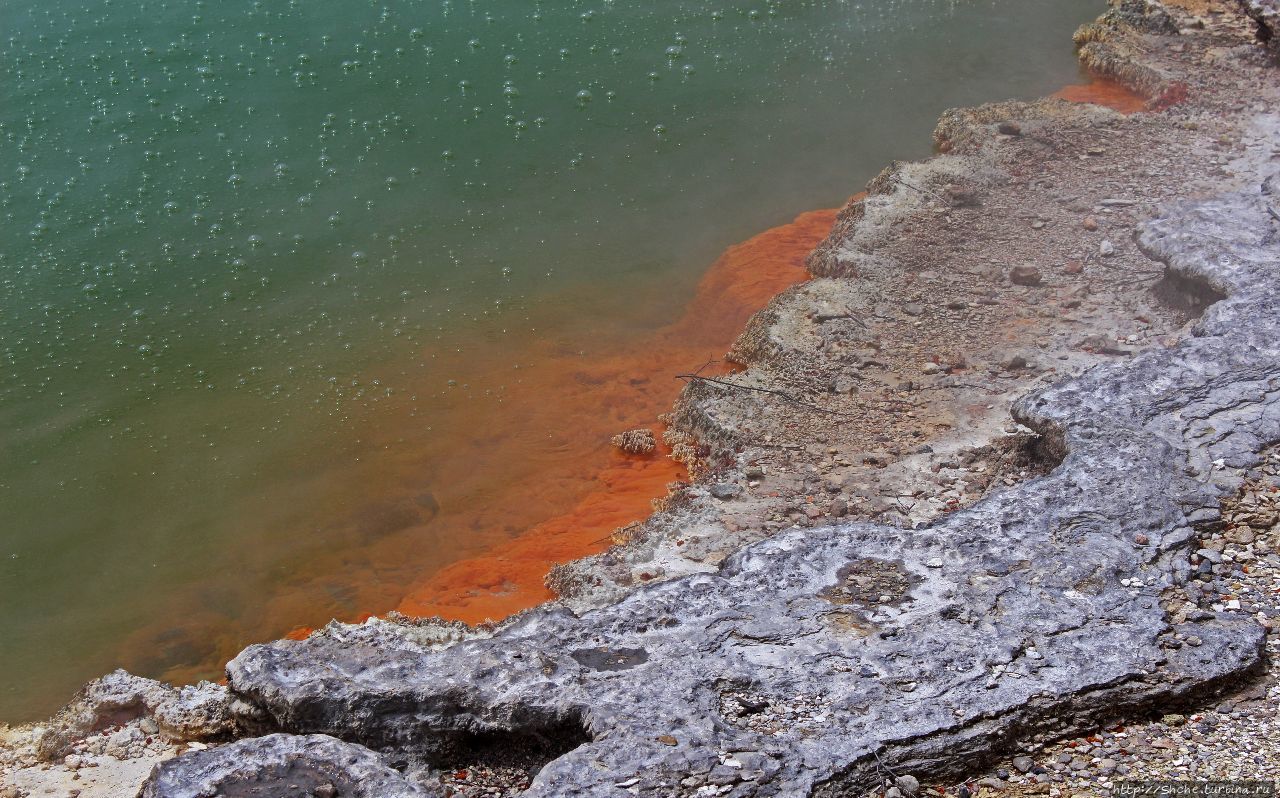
(1000, 475)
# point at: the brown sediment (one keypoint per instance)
(1105, 92)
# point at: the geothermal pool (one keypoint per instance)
(306, 306)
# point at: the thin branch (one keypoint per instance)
(704, 366)
(936, 196)
(782, 394)
(880, 763)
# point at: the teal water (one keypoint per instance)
(233, 231)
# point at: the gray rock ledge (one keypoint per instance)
(281, 766)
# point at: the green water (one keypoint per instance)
(231, 229)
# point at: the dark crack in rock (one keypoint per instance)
(1267, 14)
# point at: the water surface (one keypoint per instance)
(281, 282)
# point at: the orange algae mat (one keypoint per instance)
(1104, 92)
(464, 514)
(640, 378)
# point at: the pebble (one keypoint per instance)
(1025, 275)
(1106, 249)
(725, 490)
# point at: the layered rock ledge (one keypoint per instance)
(811, 661)
(817, 660)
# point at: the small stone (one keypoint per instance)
(1141, 540)
(1009, 129)
(1025, 275)
(1089, 223)
(1173, 719)
(725, 490)
(935, 562)
(839, 508)
(667, 739)
(909, 785)
(912, 309)
(325, 791)
(1073, 267)
(1024, 764)
(930, 368)
(1106, 249)
(723, 774)
(1212, 556)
